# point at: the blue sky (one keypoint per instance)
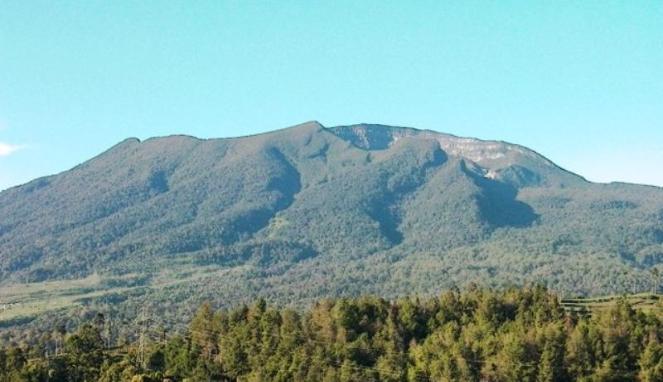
(580, 82)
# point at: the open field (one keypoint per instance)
(30, 299)
(642, 301)
(23, 301)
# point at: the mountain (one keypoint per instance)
(309, 211)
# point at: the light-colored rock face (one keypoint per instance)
(492, 155)
(472, 149)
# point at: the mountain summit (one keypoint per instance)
(310, 211)
(495, 158)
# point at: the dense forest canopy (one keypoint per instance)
(311, 212)
(477, 335)
(306, 198)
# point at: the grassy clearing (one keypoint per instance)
(23, 301)
(21, 292)
(29, 299)
(642, 301)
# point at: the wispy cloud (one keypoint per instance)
(7, 149)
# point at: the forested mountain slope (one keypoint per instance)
(310, 211)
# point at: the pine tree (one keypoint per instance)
(580, 356)
(85, 353)
(551, 363)
(651, 361)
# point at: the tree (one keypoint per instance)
(551, 363)
(15, 359)
(204, 330)
(513, 362)
(619, 328)
(481, 335)
(651, 361)
(580, 357)
(85, 353)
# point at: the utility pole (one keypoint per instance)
(59, 339)
(141, 339)
(109, 330)
(655, 279)
(635, 283)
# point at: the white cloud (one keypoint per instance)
(8, 149)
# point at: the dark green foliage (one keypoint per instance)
(517, 335)
(85, 352)
(309, 212)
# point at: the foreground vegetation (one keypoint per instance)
(476, 335)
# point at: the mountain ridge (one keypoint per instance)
(306, 212)
(331, 128)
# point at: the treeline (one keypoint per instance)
(476, 335)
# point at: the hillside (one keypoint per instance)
(308, 211)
